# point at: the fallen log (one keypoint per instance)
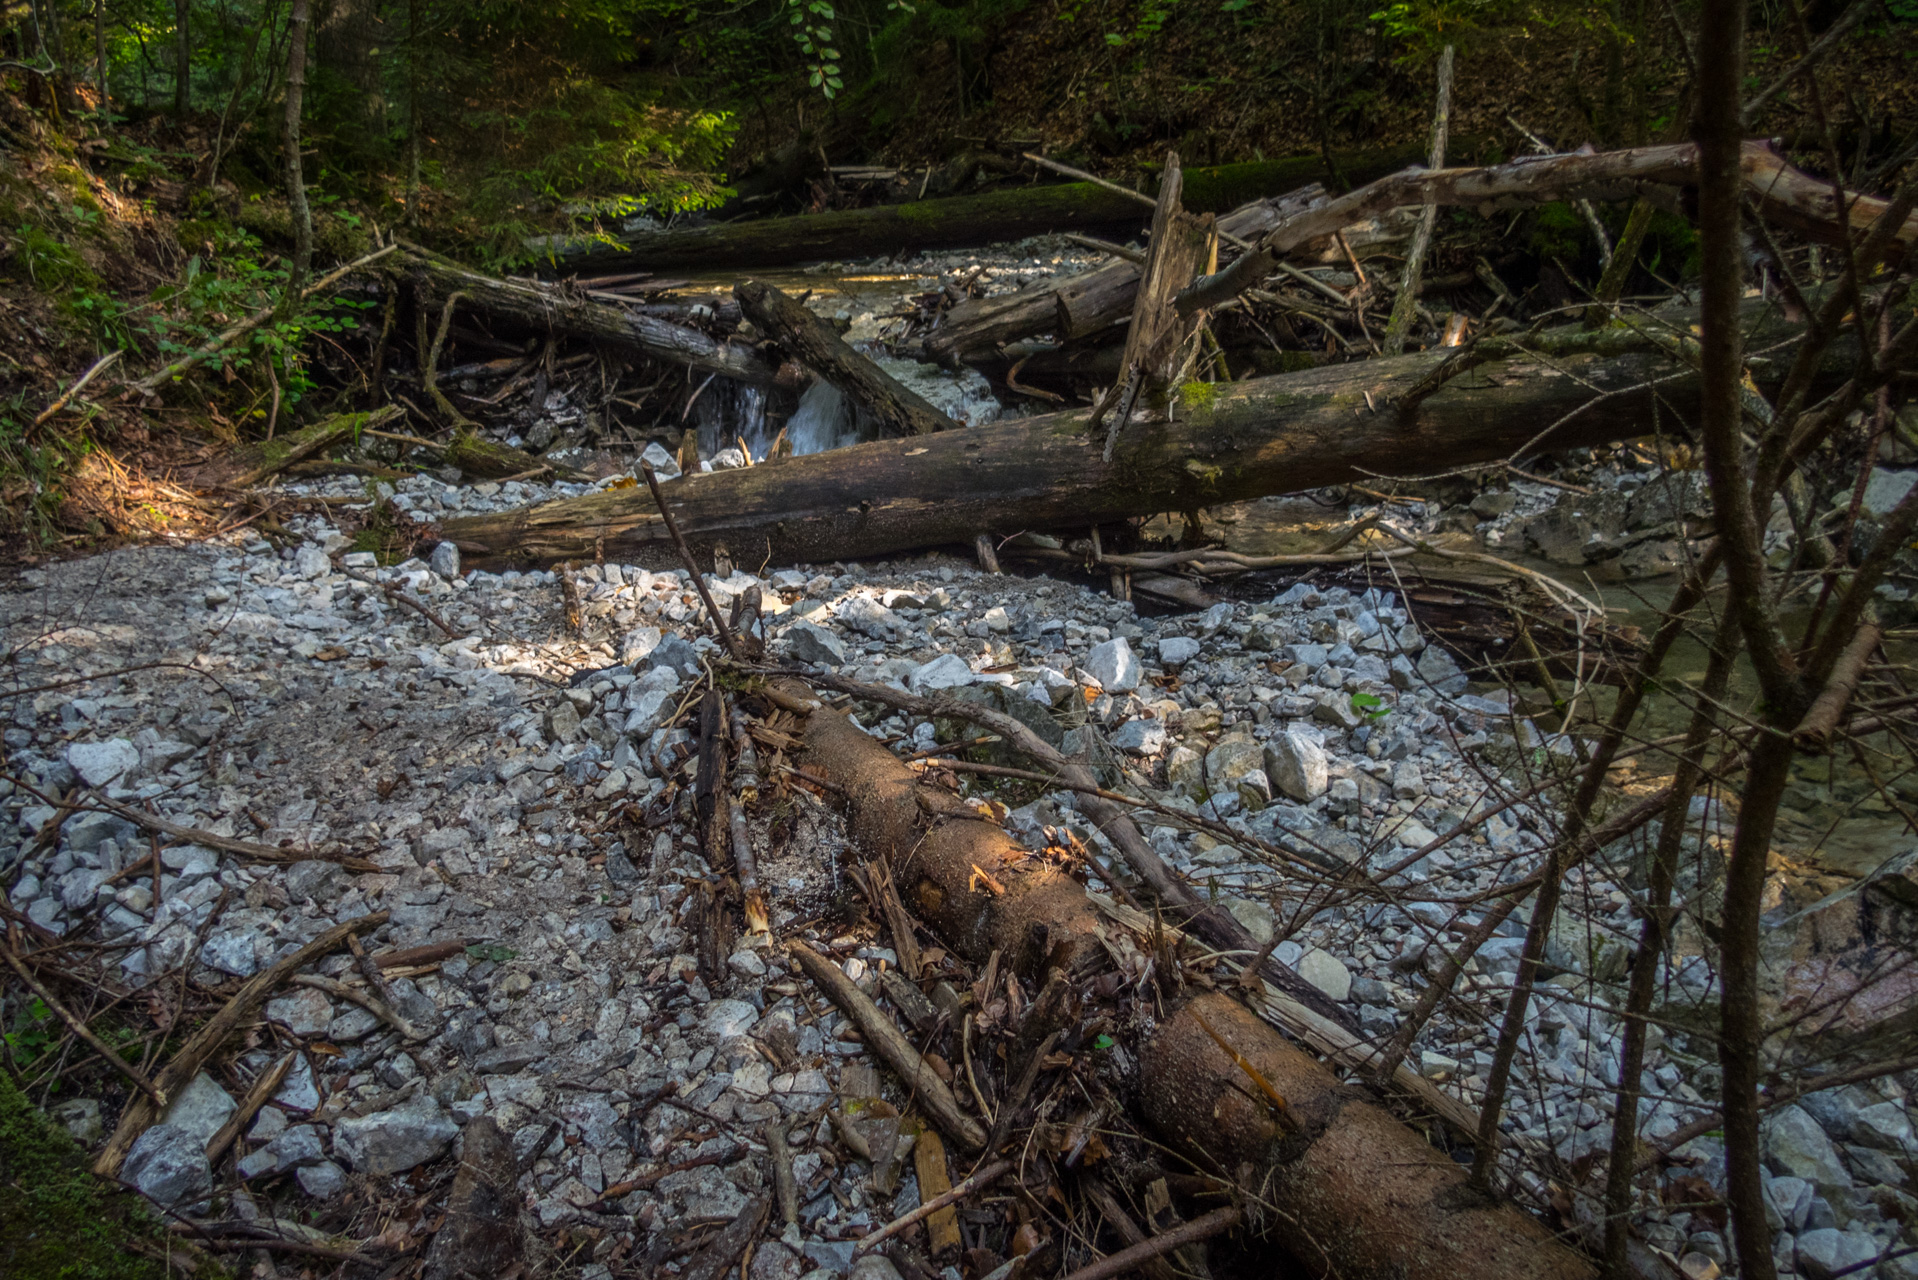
(550, 309)
(1780, 192)
(1224, 442)
(958, 221)
(818, 346)
(1351, 1191)
(249, 464)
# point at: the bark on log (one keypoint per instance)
(249, 464)
(959, 221)
(1226, 443)
(818, 346)
(547, 308)
(1346, 1177)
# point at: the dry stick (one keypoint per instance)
(81, 1029)
(1405, 307)
(193, 1055)
(1651, 1154)
(1114, 1213)
(226, 844)
(263, 1088)
(726, 637)
(986, 1176)
(66, 397)
(412, 602)
(1158, 1246)
(785, 1185)
(1021, 1089)
(892, 1045)
(366, 1000)
(723, 1250)
(150, 384)
(1821, 721)
(369, 969)
(1128, 192)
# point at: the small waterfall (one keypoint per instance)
(729, 411)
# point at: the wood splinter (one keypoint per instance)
(991, 1173)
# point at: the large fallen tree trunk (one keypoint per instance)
(1351, 1191)
(544, 308)
(960, 221)
(1224, 442)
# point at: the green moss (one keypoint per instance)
(57, 1221)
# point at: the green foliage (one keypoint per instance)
(1371, 706)
(57, 1222)
(814, 38)
(32, 1032)
(1152, 18)
(1558, 232)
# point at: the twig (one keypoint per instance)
(726, 636)
(985, 1177)
(785, 1186)
(366, 1000)
(66, 397)
(1118, 1264)
(263, 1088)
(81, 1029)
(415, 604)
(226, 844)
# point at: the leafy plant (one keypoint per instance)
(1371, 706)
(32, 1032)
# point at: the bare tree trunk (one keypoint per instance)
(297, 23)
(1718, 128)
(1407, 304)
(182, 58)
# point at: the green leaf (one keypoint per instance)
(1104, 1042)
(490, 951)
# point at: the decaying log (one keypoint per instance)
(1182, 246)
(249, 464)
(1340, 1172)
(1781, 193)
(815, 344)
(1226, 443)
(959, 221)
(546, 308)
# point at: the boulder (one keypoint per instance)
(395, 1140)
(810, 642)
(1797, 1146)
(168, 1165)
(1113, 665)
(102, 763)
(1297, 766)
(202, 1106)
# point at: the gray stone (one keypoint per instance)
(1233, 758)
(874, 1266)
(80, 1117)
(1113, 665)
(310, 561)
(1335, 708)
(1324, 971)
(169, 1166)
(1796, 1145)
(445, 560)
(810, 642)
(314, 878)
(726, 1019)
(396, 1140)
(1791, 1199)
(562, 721)
(84, 832)
(1297, 766)
(1141, 737)
(233, 953)
(675, 653)
(664, 464)
(1176, 651)
(507, 1059)
(322, 1181)
(1886, 1126)
(101, 763)
(637, 644)
(303, 1011)
(648, 711)
(201, 1107)
(1827, 1251)
(947, 671)
(1886, 489)
(295, 1148)
(868, 617)
(1490, 506)
(299, 1091)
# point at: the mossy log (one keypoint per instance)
(250, 464)
(477, 456)
(815, 344)
(553, 309)
(1223, 442)
(960, 221)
